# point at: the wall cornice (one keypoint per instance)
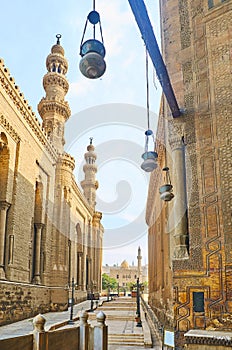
(12, 90)
(10, 130)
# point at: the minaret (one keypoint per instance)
(89, 184)
(53, 109)
(139, 258)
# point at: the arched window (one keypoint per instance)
(38, 202)
(4, 166)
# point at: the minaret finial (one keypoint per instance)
(91, 140)
(58, 36)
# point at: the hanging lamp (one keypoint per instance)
(166, 190)
(149, 157)
(92, 51)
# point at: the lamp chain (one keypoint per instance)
(94, 31)
(147, 85)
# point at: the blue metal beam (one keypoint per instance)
(141, 16)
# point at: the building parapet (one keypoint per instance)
(206, 337)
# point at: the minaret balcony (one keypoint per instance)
(55, 79)
(46, 107)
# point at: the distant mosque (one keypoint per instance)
(126, 274)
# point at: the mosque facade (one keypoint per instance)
(50, 232)
(126, 274)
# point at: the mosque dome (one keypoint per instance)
(125, 264)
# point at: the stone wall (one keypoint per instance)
(19, 301)
(196, 49)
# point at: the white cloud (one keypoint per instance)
(116, 23)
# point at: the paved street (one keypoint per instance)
(120, 318)
(123, 332)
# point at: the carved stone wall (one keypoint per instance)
(198, 59)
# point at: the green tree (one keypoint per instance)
(131, 286)
(108, 281)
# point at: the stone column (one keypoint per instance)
(180, 201)
(101, 333)
(85, 236)
(39, 332)
(3, 210)
(96, 265)
(100, 261)
(38, 233)
(84, 331)
(79, 282)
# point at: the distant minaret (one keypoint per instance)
(139, 258)
(89, 184)
(53, 109)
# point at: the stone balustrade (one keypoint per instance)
(80, 336)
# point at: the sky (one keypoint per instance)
(111, 109)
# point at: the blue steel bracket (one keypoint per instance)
(141, 16)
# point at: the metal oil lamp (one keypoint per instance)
(92, 51)
(166, 190)
(149, 157)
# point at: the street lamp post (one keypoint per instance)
(108, 294)
(92, 286)
(139, 322)
(91, 290)
(73, 286)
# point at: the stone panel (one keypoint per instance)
(199, 49)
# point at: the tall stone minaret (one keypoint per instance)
(89, 184)
(53, 109)
(139, 258)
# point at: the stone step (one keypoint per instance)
(126, 344)
(92, 316)
(126, 339)
(115, 308)
(122, 303)
(118, 318)
(125, 335)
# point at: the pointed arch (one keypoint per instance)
(4, 166)
(38, 208)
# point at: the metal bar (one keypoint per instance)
(141, 16)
